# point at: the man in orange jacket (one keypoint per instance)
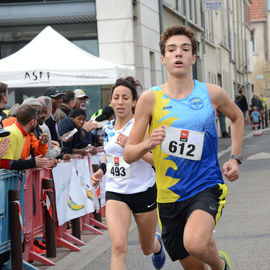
(40, 146)
(26, 121)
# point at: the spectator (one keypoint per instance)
(31, 146)
(57, 97)
(54, 149)
(106, 115)
(237, 100)
(26, 122)
(80, 99)
(243, 103)
(81, 140)
(66, 107)
(11, 116)
(52, 145)
(256, 102)
(34, 146)
(256, 118)
(222, 123)
(13, 110)
(3, 100)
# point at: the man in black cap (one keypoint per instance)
(57, 98)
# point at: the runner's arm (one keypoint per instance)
(97, 176)
(222, 102)
(136, 146)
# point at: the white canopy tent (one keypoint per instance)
(52, 60)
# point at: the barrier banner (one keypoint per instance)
(73, 189)
(62, 175)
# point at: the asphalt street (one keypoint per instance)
(243, 230)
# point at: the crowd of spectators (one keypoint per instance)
(42, 130)
(254, 112)
(37, 131)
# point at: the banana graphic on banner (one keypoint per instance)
(89, 193)
(73, 205)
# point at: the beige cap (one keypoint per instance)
(79, 93)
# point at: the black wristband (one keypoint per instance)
(103, 167)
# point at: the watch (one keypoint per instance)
(238, 158)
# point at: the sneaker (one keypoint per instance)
(39, 250)
(40, 244)
(158, 259)
(224, 256)
(4, 133)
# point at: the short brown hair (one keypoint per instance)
(3, 89)
(175, 31)
(25, 114)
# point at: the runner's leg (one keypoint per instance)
(147, 224)
(118, 218)
(191, 263)
(199, 241)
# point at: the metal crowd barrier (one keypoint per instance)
(12, 185)
(33, 189)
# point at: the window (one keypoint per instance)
(195, 5)
(152, 68)
(247, 11)
(252, 39)
(190, 10)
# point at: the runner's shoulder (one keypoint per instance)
(216, 92)
(145, 103)
(147, 97)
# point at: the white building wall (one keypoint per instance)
(116, 31)
(147, 34)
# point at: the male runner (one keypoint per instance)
(183, 139)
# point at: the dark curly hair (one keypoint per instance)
(130, 83)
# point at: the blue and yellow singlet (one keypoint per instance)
(187, 162)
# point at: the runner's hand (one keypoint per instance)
(122, 140)
(96, 177)
(231, 169)
(157, 137)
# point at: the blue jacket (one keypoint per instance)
(80, 139)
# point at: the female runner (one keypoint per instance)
(129, 188)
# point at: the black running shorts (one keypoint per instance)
(137, 202)
(173, 217)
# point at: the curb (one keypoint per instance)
(247, 136)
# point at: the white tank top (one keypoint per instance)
(121, 177)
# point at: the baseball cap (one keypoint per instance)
(53, 92)
(79, 93)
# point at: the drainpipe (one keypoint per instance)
(230, 47)
(160, 6)
(161, 29)
(205, 79)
